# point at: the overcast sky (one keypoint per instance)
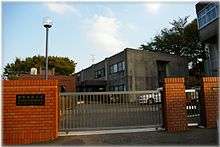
(83, 30)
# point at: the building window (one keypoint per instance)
(115, 68)
(207, 15)
(125, 88)
(123, 65)
(100, 73)
(111, 88)
(117, 88)
(121, 88)
(120, 66)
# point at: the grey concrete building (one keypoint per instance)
(208, 25)
(131, 69)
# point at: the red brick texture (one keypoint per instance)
(174, 99)
(209, 101)
(29, 124)
(67, 81)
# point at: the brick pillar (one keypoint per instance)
(30, 123)
(174, 99)
(209, 101)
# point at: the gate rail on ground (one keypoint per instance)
(110, 110)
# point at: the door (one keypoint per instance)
(162, 71)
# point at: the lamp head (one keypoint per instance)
(47, 22)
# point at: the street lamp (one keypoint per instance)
(47, 22)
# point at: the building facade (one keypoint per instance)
(208, 25)
(131, 69)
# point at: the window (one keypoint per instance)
(111, 88)
(115, 67)
(121, 88)
(120, 66)
(207, 15)
(125, 88)
(100, 73)
(117, 88)
(123, 65)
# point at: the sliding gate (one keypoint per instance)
(110, 110)
(193, 107)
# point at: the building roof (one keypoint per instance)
(203, 4)
(129, 49)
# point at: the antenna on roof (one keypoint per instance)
(36, 52)
(92, 58)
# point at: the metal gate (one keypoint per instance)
(110, 110)
(193, 107)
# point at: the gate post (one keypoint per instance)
(30, 111)
(175, 114)
(209, 101)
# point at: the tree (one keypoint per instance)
(181, 39)
(62, 65)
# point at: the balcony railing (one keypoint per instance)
(207, 15)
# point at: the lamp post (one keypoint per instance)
(47, 22)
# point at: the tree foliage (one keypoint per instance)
(62, 65)
(181, 39)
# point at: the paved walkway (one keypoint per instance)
(195, 136)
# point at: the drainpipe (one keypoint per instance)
(106, 73)
(209, 61)
(106, 69)
(133, 74)
(133, 79)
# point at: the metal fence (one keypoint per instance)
(193, 106)
(110, 110)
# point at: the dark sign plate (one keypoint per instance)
(30, 99)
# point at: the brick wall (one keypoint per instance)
(209, 101)
(28, 124)
(67, 81)
(175, 114)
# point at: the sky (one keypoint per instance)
(86, 32)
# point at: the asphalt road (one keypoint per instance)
(194, 136)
